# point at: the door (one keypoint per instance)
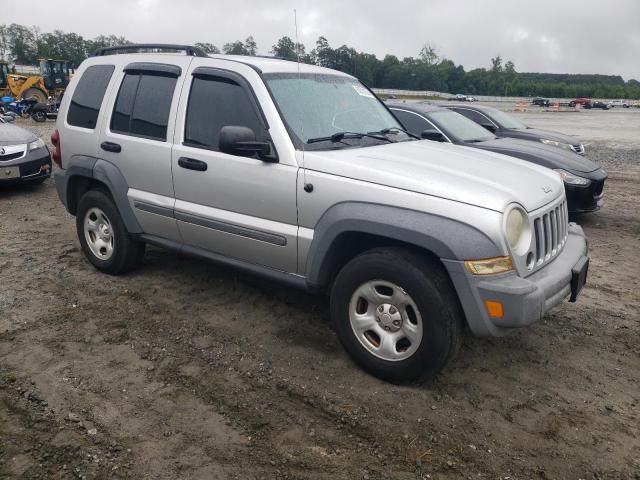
(137, 139)
(238, 206)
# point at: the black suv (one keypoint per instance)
(504, 125)
(583, 179)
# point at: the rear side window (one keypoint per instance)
(143, 104)
(88, 96)
(214, 103)
(471, 115)
(413, 122)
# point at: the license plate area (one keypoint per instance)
(578, 277)
(9, 172)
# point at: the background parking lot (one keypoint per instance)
(189, 370)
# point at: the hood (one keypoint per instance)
(538, 153)
(534, 133)
(12, 135)
(462, 174)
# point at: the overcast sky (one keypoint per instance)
(560, 36)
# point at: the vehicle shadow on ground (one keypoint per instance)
(304, 321)
(19, 189)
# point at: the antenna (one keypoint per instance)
(307, 186)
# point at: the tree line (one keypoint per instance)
(428, 70)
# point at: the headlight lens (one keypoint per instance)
(571, 179)
(36, 144)
(515, 226)
(553, 143)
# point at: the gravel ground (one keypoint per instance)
(187, 370)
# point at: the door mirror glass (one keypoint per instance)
(432, 135)
(241, 141)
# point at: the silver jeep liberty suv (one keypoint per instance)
(299, 173)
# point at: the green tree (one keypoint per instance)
(429, 54)
(209, 48)
(21, 43)
(235, 48)
(251, 46)
(285, 48)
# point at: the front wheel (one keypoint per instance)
(104, 237)
(396, 314)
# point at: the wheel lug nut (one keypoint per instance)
(377, 320)
(396, 323)
(381, 308)
(392, 310)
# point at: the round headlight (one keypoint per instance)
(517, 229)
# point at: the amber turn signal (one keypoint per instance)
(489, 266)
(494, 309)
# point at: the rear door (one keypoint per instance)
(241, 207)
(137, 138)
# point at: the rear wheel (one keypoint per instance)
(35, 93)
(396, 314)
(39, 116)
(103, 236)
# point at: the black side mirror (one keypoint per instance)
(431, 135)
(490, 127)
(241, 141)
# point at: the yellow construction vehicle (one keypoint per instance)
(53, 79)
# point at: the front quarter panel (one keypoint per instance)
(336, 205)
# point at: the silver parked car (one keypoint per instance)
(299, 173)
(24, 158)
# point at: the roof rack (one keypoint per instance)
(188, 49)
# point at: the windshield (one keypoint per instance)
(506, 121)
(315, 106)
(460, 127)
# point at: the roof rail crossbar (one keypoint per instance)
(188, 49)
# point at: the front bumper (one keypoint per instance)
(524, 300)
(586, 198)
(26, 171)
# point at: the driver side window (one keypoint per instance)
(216, 102)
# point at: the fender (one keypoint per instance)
(104, 172)
(444, 237)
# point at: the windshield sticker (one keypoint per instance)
(362, 91)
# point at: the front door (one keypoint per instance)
(240, 207)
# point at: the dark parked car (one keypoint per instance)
(23, 156)
(541, 102)
(583, 179)
(504, 125)
(597, 104)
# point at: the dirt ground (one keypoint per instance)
(186, 370)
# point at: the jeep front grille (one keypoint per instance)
(550, 234)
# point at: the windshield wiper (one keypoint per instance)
(385, 131)
(338, 137)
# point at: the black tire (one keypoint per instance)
(39, 116)
(127, 252)
(430, 288)
(35, 92)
